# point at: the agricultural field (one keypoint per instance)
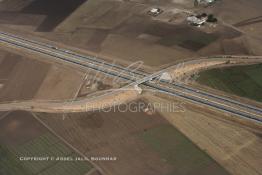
(21, 78)
(29, 77)
(177, 150)
(245, 81)
(116, 30)
(143, 142)
(147, 141)
(233, 146)
(22, 136)
(234, 12)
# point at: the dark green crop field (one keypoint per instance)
(43, 146)
(21, 136)
(178, 151)
(245, 81)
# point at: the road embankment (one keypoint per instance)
(113, 98)
(191, 67)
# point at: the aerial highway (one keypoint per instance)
(137, 77)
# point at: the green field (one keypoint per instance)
(180, 152)
(45, 145)
(245, 81)
(9, 164)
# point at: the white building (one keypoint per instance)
(197, 21)
(204, 2)
(155, 11)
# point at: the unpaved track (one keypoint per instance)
(83, 105)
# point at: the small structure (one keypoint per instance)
(197, 20)
(166, 77)
(138, 89)
(203, 2)
(155, 12)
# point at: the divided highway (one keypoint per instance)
(183, 91)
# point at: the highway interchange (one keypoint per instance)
(138, 77)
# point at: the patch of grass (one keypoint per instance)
(188, 38)
(45, 145)
(64, 168)
(245, 81)
(177, 150)
(9, 164)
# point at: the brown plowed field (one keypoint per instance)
(23, 77)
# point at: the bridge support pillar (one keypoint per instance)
(166, 76)
(138, 89)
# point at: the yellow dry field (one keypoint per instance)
(121, 48)
(60, 83)
(236, 148)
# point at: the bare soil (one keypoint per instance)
(24, 77)
(56, 11)
(60, 83)
(7, 65)
(19, 127)
(113, 30)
